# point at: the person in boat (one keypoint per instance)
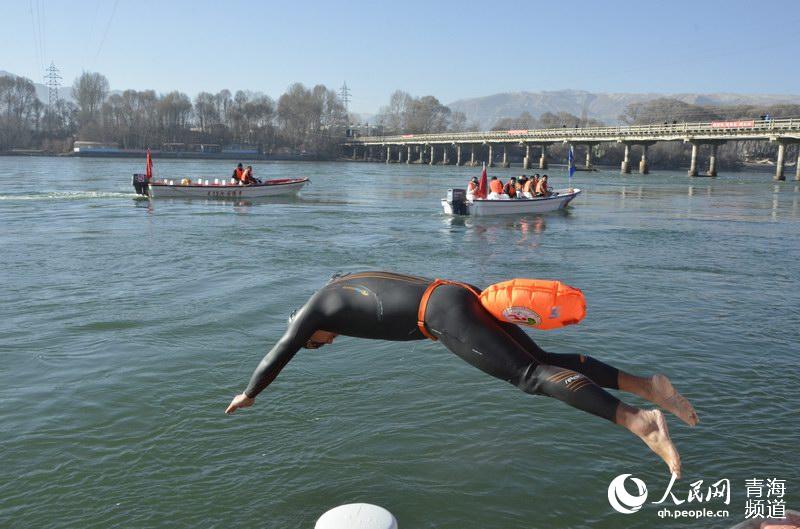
(472, 188)
(541, 187)
(237, 173)
(495, 189)
(510, 188)
(528, 187)
(476, 325)
(521, 185)
(247, 176)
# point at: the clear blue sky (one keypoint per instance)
(452, 50)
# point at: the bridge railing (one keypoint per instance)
(722, 127)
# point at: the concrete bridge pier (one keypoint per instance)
(589, 155)
(797, 166)
(712, 161)
(388, 154)
(543, 158)
(526, 162)
(458, 155)
(421, 154)
(693, 163)
(445, 161)
(355, 152)
(408, 156)
(625, 168)
(433, 155)
(505, 157)
(472, 162)
(643, 168)
(490, 161)
(779, 164)
(399, 154)
(712, 158)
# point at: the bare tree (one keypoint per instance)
(89, 91)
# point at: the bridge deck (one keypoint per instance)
(772, 129)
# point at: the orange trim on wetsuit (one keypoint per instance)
(423, 304)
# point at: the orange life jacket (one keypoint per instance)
(496, 186)
(539, 303)
(510, 190)
(237, 174)
(541, 187)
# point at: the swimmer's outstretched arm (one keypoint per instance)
(305, 322)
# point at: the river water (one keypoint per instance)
(126, 327)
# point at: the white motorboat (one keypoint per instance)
(216, 188)
(456, 203)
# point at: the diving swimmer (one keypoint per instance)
(396, 307)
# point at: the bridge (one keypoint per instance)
(451, 147)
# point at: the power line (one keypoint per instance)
(105, 33)
(36, 41)
(42, 30)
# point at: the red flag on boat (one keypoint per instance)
(149, 166)
(482, 184)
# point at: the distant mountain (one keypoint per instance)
(601, 106)
(42, 92)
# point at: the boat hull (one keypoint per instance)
(521, 206)
(269, 188)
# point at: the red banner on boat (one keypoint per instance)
(483, 185)
(733, 124)
(149, 166)
(520, 131)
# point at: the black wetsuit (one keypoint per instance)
(384, 306)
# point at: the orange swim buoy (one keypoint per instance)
(539, 303)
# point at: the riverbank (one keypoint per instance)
(172, 155)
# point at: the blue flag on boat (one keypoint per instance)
(571, 159)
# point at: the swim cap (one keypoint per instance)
(538, 303)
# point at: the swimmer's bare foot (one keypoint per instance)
(665, 396)
(651, 427)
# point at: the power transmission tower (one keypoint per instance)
(344, 95)
(53, 82)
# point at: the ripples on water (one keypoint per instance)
(126, 327)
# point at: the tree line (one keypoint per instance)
(305, 119)
(406, 114)
(312, 120)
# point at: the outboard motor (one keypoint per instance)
(140, 184)
(457, 198)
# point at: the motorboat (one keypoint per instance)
(457, 203)
(205, 188)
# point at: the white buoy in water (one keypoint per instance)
(357, 516)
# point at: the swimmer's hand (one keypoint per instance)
(239, 401)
